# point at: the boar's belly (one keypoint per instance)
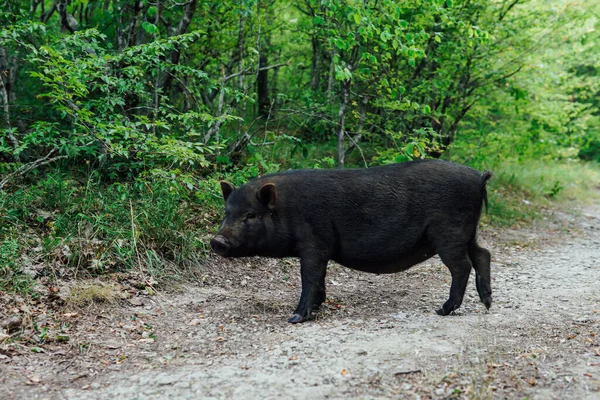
(387, 262)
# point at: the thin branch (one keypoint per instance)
(503, 14)
(355, 144)
(487, 83)
(508, 75)
(414, 371)
(243, 140)
(22, 170)
(45, 17)
(358, 135)
(247, 71)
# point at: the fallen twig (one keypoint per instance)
(414, 371)
(22, 170)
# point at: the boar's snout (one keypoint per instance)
(220, 245)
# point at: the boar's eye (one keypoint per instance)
(251, 215)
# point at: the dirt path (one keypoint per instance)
(378, 336)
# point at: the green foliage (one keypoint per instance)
(93, 228)
(590, 149)
(520, 189)
(95, 92)
(406, 62)
(548, 110)
(147, 94)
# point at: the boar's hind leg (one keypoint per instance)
(312, 273)
(458, 262)
(481, 262)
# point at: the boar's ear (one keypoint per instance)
(226, 188)
(267, 195)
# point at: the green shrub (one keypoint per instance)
(590, 149)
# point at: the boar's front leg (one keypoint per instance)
(312, 272)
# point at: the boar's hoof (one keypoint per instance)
(297, 318)
(487, 301)
(441, 311)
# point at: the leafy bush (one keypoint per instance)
(590, 149)
(89, 227)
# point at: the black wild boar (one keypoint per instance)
(381, 220)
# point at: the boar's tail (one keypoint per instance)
(482, 187)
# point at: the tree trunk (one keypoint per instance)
(132, 34)
(331, 79)
(315, 74)
(8, 78)
(273, 89)
(214, 130)
(240, 74)
(341, 120)
(264, 105)
(184, 24)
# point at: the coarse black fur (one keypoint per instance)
(380, 220)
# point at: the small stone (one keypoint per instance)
(136, 302)
(11, 324)
(163, 380)
(112, 345)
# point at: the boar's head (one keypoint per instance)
(249, 227)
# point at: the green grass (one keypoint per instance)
(86, 293)
(12, 276)
(71, 227)
(520, 189)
